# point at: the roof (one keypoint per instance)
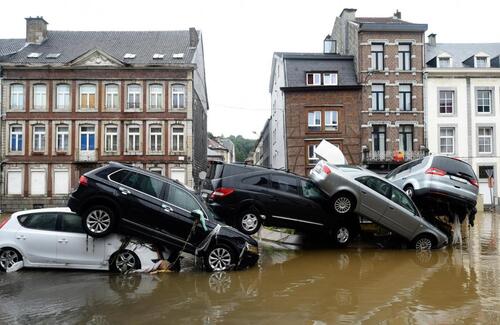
(460, 52)
(227, 143)
(297, 64)
(73, 44)
(9, 46)
(388, 24)
(215, 145)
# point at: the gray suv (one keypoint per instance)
(354, 190)
(439, 185)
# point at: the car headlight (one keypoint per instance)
(252, 248)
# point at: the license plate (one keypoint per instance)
(458, 179)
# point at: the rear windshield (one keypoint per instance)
(454, 167)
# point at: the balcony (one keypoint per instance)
(391, 157)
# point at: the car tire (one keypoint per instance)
(219, 257)
(8, 257)
(410, 191)
(423, 242)
(124, 261)
(343, 203)
(342, 235)
(249, 221)
(98, 221)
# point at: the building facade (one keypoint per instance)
(261, 153)
(462, 105)
(389, 61)
(72, 101)
(315, 96)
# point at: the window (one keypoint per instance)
(156, 96)
(330, 79)
(182, 199)
(87, 138)
(309, 190)
(311, 154)
(39, 138)
(38, 182)
(376, 184)
(178, 96)
(119, 176)
(61, 182)
(39, 97)
(481, 62)
(444, 62)
(178, 174)
(155, 138)
(378, 56)
(40, 221)
(17, 97)
(111, 138)
(133, 138)
(284, 183)
(87, 97)
(143, 183)
(16, 138)
(406, 138)
(259, 180)
(331, 121)
(446, 100)
(378, 138)
(71, 223)
(485, 138)
(405, 97)
(313, 79)
(378, 94)
(177, 138)
(484, 170)
(62, 137)
(112, 97)
(318, 78)
(156, 170)
(404, 56)
(447, 140)
(15, 182)
(134, 96)
(483, 101)
(402, 200)
(62, 96)
(314, 121)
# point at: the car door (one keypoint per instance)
(315, 203)
(374, 196)
(38, 237)
(74, 247)
(401, 215)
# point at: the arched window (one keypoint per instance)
(39, 96)
(17, 96)
(156, 96)
(134, 96)
(62, 96)
(88, 96)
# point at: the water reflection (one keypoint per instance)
(456, 285)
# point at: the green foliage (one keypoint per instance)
(242, 147)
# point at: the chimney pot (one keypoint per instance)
(193, 37)
(36, 30)
(432, 39)
(397, 14)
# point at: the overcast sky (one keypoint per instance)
(240, 36)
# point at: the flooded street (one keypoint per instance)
(328, 286)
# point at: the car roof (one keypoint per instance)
(44, 210)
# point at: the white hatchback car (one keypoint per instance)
(54, 238)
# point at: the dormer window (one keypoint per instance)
(482, 62)
(129, 56)
(322, 78)
(34, 55)
(444, 62)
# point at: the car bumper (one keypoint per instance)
(74, 204)
(438, 193)
(248, 260)
(223, 211)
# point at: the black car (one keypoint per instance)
(133, 201)
(249, 196)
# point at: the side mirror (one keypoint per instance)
(202, 175)
(200, 217)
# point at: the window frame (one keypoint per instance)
(155, 96)
(39, 97)
(57, 133)
(110, 102)
(136, 138)
(180, 138)
(314, 127)
(405, 98)
(19, 138)
(483, 137)
(113, 137)
(312, 159)
(88, 135)
(134, 90)
(378, 98)
(376, 135)
(39, 139)
(178, 97)
(377, 56)
(87, 94)
(448, 102)
(157, 136)
(335, 121)
(403, 134)
(65, 96)
(404, 57)
(483, 105)
(19, 95)
(452, 137)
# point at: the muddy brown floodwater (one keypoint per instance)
(328, 286)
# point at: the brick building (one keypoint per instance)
(389, 61)
(72, 101)
(314, 97)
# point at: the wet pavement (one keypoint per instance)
(305, 286)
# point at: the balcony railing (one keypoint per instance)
(391, 156)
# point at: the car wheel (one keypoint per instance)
(249, 222)
(342, 235)
(98, 221)
(423, 242)
(409, 190)
(219, 258)
(343, 203)
(124, 261)
(9, 257)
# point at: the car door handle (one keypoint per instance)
(63, 240)
(167, 208)
(364, 192)
(21, 237)
(124, 190)
(391, 208)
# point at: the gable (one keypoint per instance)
(95, 58)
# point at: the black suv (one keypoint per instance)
(248, 196)
(144, 204)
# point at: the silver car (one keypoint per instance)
(439, 182)
(359, 191)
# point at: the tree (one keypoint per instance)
(242, 147)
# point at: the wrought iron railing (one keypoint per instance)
(391, 156)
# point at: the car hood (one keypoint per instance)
(235, 233)
(331, 153)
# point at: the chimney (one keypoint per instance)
(397, 14)
(431, 39)
(193, 37)
(348, 13)
(36, 30)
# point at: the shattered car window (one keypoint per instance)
(309, 190)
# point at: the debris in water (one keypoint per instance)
(457, 231)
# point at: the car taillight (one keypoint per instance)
(84, 181)
(435, 171)
(4, 221)
(221, 192)
(327, 170)
(474, 182)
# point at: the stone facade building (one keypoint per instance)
(389, 62)
(72, 101)
(315, 96)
